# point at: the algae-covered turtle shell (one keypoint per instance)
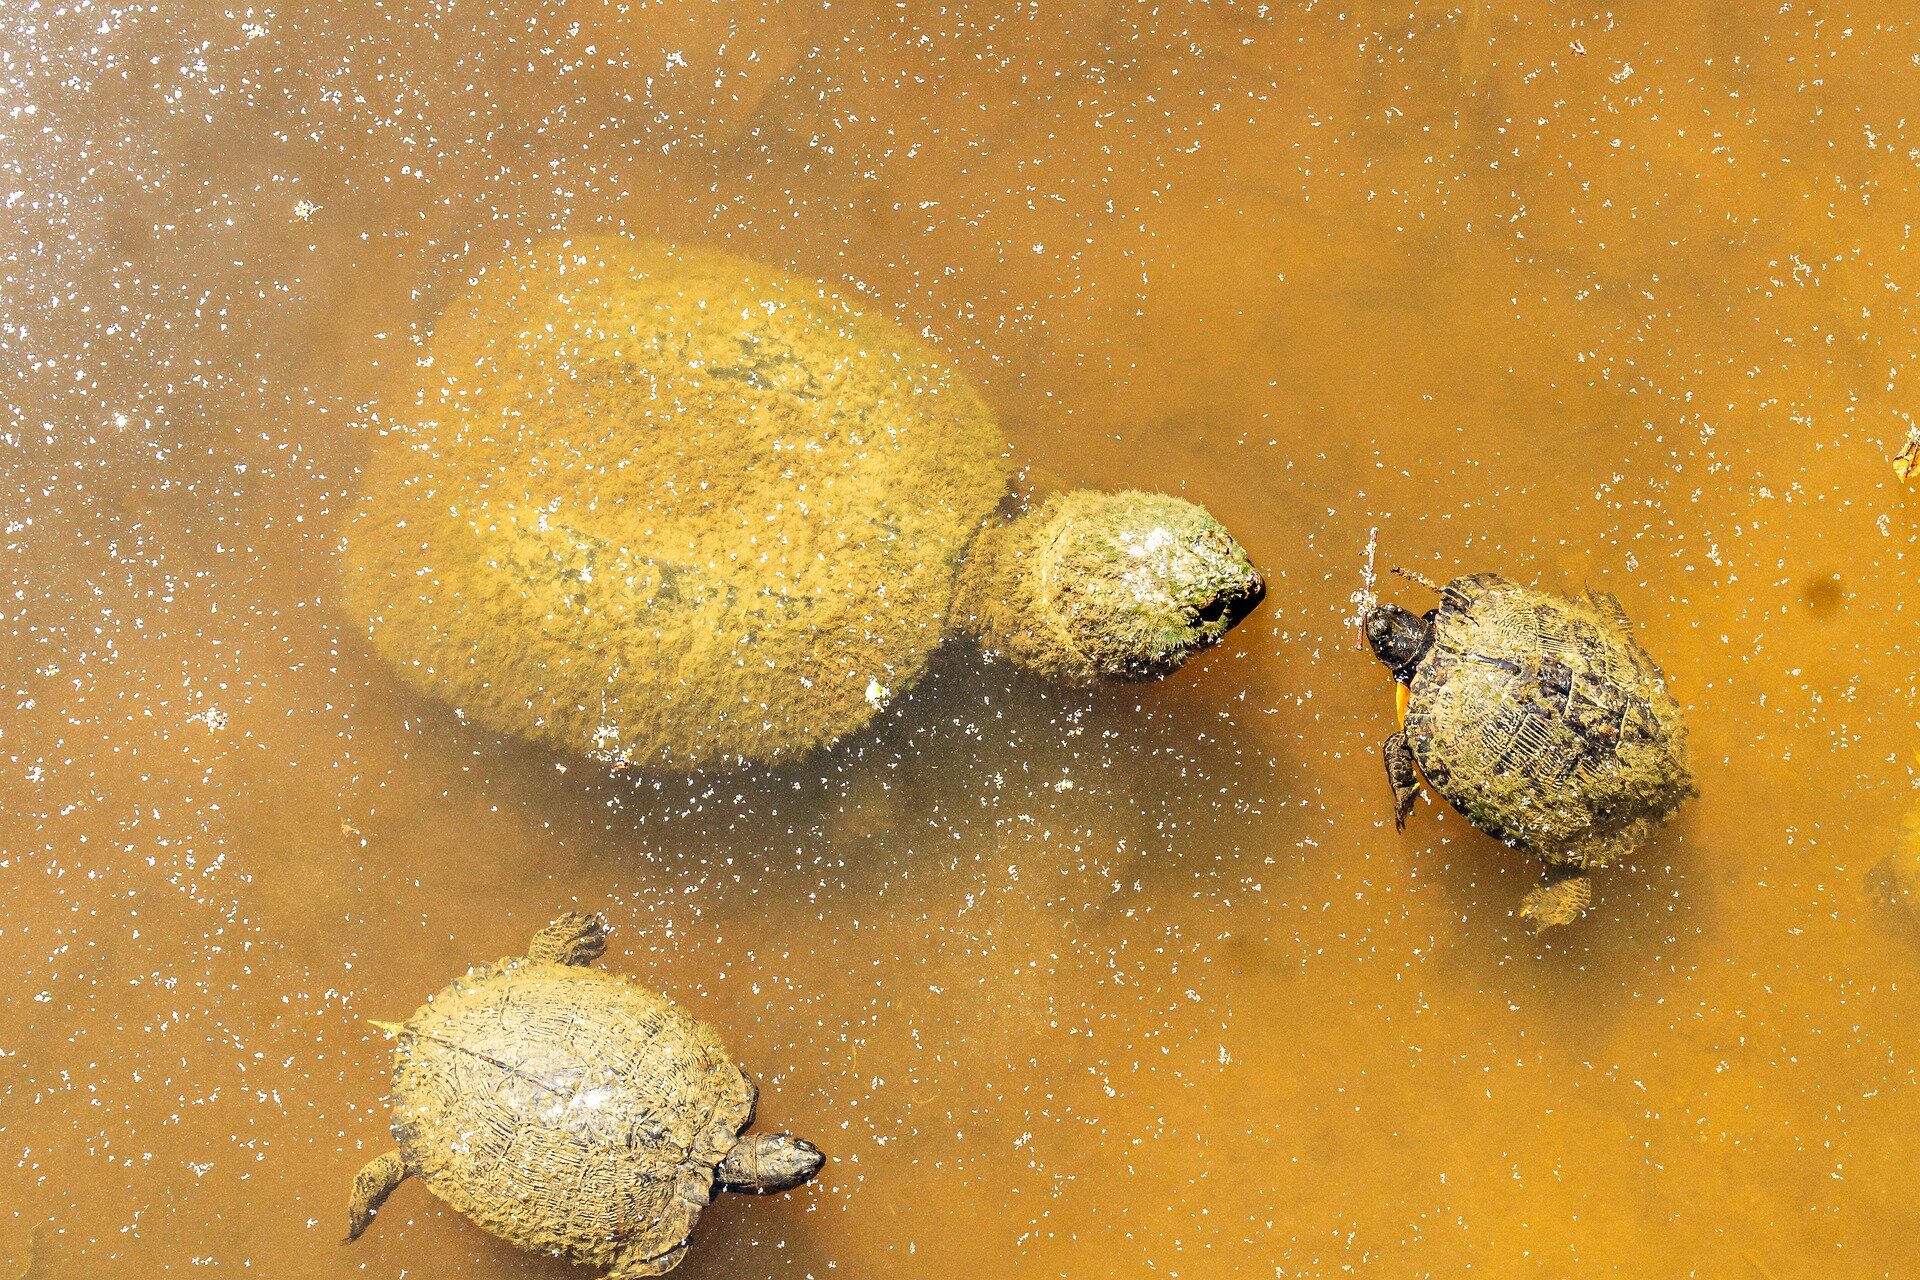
(572, 1111)
(1541, 719)
(671, 509)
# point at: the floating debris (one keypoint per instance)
(213, 717)
(1365, 598)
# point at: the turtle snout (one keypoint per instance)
(1235, 598)
(1379, 629)
(789, 1161)
(763, 1162)
(1222, 585)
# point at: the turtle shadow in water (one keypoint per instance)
(33, 1262)
(1647, 910)
(1889, 889)
(969, 730)
(753, 1234)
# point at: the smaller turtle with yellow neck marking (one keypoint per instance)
(1541, 719)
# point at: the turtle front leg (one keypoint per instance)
(1403, 776)
(572, 939)
(371, 1187)
(1561, 900)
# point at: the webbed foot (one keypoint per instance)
(1561, 900)
(371, 1187)
(572, 939)
(1403, 776)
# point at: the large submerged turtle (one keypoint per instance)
(572, 1111)
(672, 509)
(1541, 719)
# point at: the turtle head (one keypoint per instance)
(1398, 637)
(1154, 579)
(1121, 586)
(763, 1162)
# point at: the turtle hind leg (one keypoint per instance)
(1561, 900)
(371, 1187)
(572, 939)
(1403, 776)
(635, 1265)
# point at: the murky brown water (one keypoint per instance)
(1613, 296)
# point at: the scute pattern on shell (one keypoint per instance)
(568, 1110)
(1542, 720)
(667, 507)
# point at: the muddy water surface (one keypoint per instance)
(1139, 981)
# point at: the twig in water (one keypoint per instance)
(1365, 598)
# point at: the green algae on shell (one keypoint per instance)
(672, 509)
